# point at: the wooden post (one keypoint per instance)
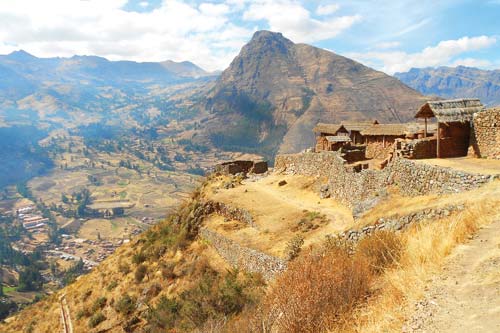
(383, 141)
(438, 152)
(425, 128)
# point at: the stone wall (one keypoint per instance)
(485, 139)
(229, 212)
(341, 181)
(399, 223)
(243, 257)
(353, 189)
(413, 178)
(377, 149)
(416, 148)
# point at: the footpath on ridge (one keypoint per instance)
(465, 297)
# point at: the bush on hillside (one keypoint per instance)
(382, 250)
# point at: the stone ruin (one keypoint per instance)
(244, 167)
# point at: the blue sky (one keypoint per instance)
(387, 35)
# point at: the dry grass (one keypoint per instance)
(425, 249)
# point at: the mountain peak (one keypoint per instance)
(21, 55)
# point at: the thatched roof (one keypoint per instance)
(338, 138)
(387, 129)
(347, 125)
(358, 125)
(327, 128)
(454, 110)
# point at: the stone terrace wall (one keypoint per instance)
(353, 188)
(415, 178)
(486, 134)
(243, 257)
(399, 223)
(229, 212)
(343, 183)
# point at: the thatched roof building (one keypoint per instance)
(455, 110)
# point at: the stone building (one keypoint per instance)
(454, 124)
(379, 138)
(332, 137)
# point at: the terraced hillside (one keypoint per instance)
(220, 261)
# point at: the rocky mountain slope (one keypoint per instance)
(455, 82)
(276, 90)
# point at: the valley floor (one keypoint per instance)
(465, 297)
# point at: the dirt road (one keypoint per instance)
(466, 296)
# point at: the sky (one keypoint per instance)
(389, 35)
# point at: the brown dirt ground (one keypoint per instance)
(276, 210)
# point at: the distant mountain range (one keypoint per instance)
(84, 89)
(274, 93)
(455, 82)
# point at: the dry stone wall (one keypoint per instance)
(414, 178)
(229, 212)
(486, 134)
(243, 257)
(342, 183)
(355, 188)
(399, 223)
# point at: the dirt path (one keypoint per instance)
(67, 325)
(466, 296)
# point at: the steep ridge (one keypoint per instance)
(275, 89)
(455, 82)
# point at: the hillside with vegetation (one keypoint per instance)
(172, 278)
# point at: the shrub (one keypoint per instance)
(124, 268)
(167, 270)
(382, 250)
(140, 273)
(138, 258)
(125, 305)
(112, 286)
(99, 303)
(96, 319)
(317, 293)
(85, 312)
(293, 247)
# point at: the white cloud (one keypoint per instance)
(144, 4)
(443, 53)
(471, 62)
(295, 21)
(327, 9)
(387, 45)
(176, 30)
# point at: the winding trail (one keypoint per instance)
(466, 296)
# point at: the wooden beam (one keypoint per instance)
(425, 128)
(438, 152)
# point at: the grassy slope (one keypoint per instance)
(390, 291)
